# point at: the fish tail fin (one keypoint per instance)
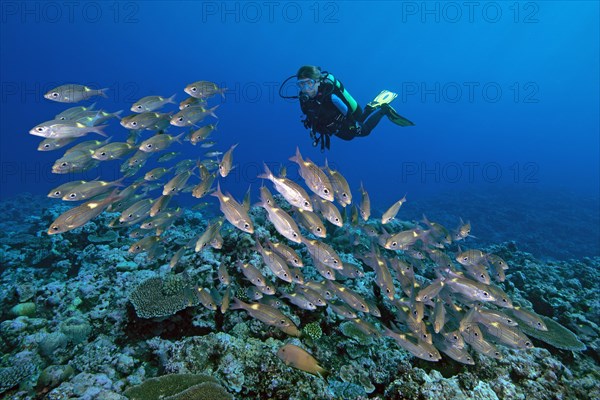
(99, 130)
(324, 373)
(237, 304)
(268, 174)
(297, 158)
(171, 100)
(117, 114)
(212, 111)
(119, 182)
(217, 192)
(326, 168)
(178, 138)
(222, 91)
(102, 92)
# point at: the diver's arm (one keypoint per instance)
(339, 104)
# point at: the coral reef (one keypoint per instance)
(85, 342)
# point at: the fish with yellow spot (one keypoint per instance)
(267, 314)
(296, 357)
(234, 212)
(79, 216)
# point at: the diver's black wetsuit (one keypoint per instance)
(323, 115)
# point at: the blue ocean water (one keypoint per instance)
(505, 99)
(504, 95)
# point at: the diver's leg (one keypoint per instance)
(365, 114)
(371, 122)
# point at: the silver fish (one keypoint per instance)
(283, 223)
(73, 93)
(290, 190)
(204, 89)
(391, 212)
(234, 212)
(267, 314)
(151, 103)
(57, 129)
(225, 166)
(341, 188)
(79, 216)
(311, 222)
(314, 177)
(276, 264)
(159, 142)
(192, 115)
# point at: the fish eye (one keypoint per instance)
(39, 129)
(64, 164)
(180, 119)
(282, 322)
(306, 204)
(486, 294)
(133, 123)
(73, 195)
(130, 216)
(139, 107)
(46, 146)
(465, 258)
(137, 247)
(149, 145)
(103, 154)
(394, 244)
(294, 234)
(362, 306)
(326, 191)
(193, 89)
(55, 228)
(497, 354)
(337, 220)
(318, 230)
(57, 193)
(54, 94)
(344, 195)
(388, 290)
(246, 225)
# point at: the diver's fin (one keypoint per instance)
(384, 97)
(396, 118)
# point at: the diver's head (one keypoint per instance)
(309, 78)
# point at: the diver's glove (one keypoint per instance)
(307, 123)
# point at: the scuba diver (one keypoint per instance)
(331, 110)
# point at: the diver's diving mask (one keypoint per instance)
(306, 84)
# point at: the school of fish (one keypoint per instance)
(455, 311)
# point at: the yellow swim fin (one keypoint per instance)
(395, 117)
(385, 97)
